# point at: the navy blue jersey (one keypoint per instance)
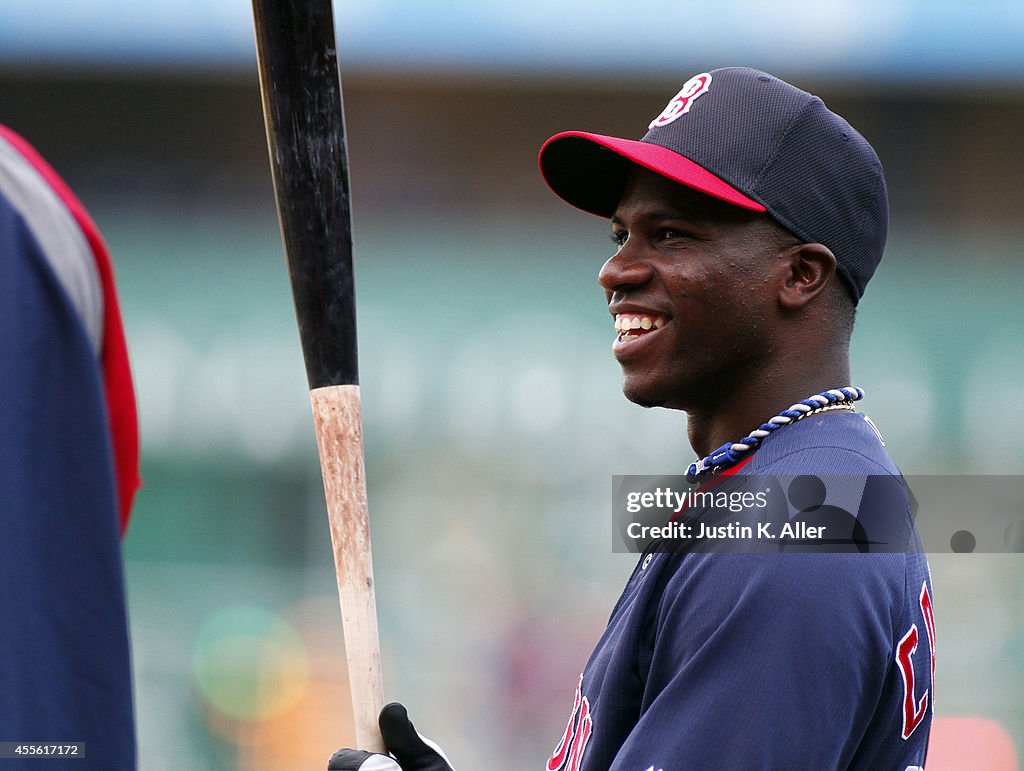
(767, 660)
(64, 648)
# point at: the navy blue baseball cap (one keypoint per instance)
(755, 141)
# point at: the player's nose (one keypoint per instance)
(624, 271)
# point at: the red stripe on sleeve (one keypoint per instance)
(117, 376)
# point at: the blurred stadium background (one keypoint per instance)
(493, 416)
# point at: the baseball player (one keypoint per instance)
(746, 224)
(68, 474)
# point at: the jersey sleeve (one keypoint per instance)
(119, 391)
(66, 663)
(765, 661)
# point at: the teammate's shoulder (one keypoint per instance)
(829, 443)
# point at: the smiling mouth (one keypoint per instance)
(630, 325)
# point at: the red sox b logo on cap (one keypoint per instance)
(681, 102)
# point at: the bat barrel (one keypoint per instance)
(304, 113)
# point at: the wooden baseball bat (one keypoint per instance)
(304, 116)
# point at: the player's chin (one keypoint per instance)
(641, 391)
(669, 388)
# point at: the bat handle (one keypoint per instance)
(338, 419)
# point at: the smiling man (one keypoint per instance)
(746, 223)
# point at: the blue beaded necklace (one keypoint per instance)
(732, 453)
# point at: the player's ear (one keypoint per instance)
(807, 270)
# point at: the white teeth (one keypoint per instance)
(626, 324)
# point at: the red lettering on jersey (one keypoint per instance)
(568, 755)
(585, 727)
(557, 759)
(912, 716)
(929, 625)
(914, 712)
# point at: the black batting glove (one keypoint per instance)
(409, 751)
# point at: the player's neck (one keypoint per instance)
(756, 400)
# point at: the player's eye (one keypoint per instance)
(673, 233)
(619, 238)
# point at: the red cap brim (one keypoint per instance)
(589, 171)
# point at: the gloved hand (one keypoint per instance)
(409, 750)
